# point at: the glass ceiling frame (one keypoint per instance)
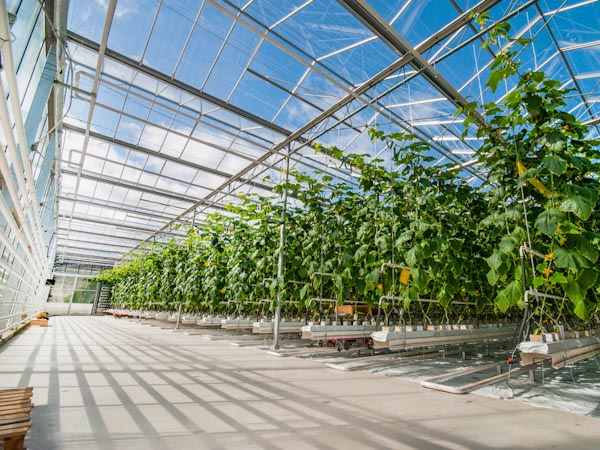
(338, 105)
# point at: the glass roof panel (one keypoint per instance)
(322, 27)
(169, 34)
(131, 26)
(420, 19)
(236, 93)
(231, 62)
(258, 96)
(201, 153)
(295, 112)
(174, 145)
(573, 26)
(83, 18)
(152, 137)
(277, 65)
(198, 57)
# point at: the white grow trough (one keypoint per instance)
(189, 320)
(162, 316)
(284, 327)
(560, 353)
(399, 340)
(209, 321)
(173, 318)
(326, 332)
(238, 323)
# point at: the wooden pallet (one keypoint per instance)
(15, 420)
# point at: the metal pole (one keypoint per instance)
(178, 316)
(280, 260)
(97, 297)
(72, 294)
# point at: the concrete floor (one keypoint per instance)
(103, 383)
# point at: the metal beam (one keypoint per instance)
(65, 248)
(110, 13)
(101, 235)
(131, 63)
(64, 242)
(86, 257)
(120, 208)
(128, 185)
(346, 100)
(166, 157)
(565, 61)
(151, 231)
(374, 22)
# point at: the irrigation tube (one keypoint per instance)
(541, 294)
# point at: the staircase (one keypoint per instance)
(104, 299)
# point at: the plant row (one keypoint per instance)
(408, 228)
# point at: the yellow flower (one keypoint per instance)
(547, 271)
(380, 286)
(549, 257)
(222, 291)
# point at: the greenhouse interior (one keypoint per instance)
(312, 224)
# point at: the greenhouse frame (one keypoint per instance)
(361, 183)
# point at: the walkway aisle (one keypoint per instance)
(103, 383)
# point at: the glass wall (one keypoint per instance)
(27, 203)
(73, 289)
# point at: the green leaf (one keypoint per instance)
(444, 296)
(382, 243)
(345, 259)
(492, 277)
(361, 252)
(404, 237)
(579, 205)
(538, 281)
(494, 260)
(581, 310)
(339, 282)
(411, 257)
(557, 277)
(372, 278)
(584, 246)
(587, 278)
(507, 244)
(555, 141)
(565, 258)
(577, 162)
(555, 164)
(413, 293)
(493, 80)
(420, 278)
(548, 221)
(510, 295)
(428, 247)
(502, 303)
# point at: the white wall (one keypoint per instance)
(62, 309)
